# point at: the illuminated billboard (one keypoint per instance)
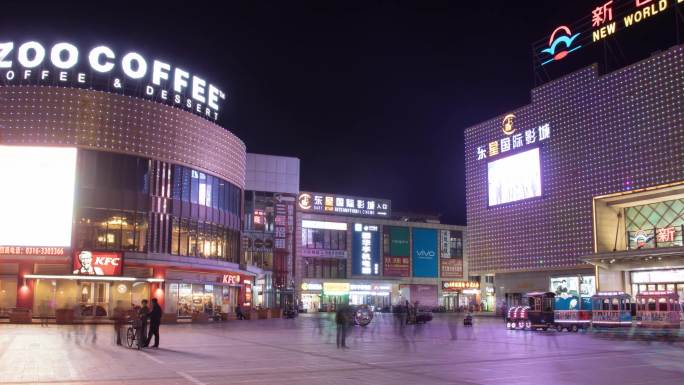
(343, 205)
(37, 195)
(425, 251)
(106, 263)
(514, 178)
(366, 250)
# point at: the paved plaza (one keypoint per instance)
(303, 351)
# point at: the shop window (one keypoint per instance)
(175, 236)
(185, 301)
(202, 189)
(201, 240)
(176, 182)
(186, 183)
(192, 231)
(184, 236)
(128, 234)
(8, 295)
(194, 186)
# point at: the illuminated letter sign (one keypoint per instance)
(182, 89)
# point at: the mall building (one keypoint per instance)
(271, 188)
(109, 198)
(582, 189)
(352, 250)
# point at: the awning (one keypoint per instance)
(642, 259)
(92, 278)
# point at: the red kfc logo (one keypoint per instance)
(97, 263)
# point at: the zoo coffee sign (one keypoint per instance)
(101, 67)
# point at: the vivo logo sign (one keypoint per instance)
(424, 253)
(63, 62)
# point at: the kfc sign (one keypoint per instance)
(103, 263)
(231, 279)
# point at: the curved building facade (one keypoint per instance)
(157, 206)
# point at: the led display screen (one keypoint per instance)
(514, 178)
(36, 195)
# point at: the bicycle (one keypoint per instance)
(133, 333)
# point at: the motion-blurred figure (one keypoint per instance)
(341, 319)
(119, 318)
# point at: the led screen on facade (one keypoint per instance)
(37, 195)
(514, 178)
(366, 250)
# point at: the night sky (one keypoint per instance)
(372, 96)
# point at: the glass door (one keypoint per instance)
(94, 299)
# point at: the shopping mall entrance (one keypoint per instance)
(639, 245)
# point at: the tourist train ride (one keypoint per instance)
(544, 310)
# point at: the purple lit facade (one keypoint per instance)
(609, 134)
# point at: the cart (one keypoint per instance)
(658, 309)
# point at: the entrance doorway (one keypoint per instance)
(94, 298)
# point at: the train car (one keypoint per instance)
(572, 312)
(611, 308)
(536, 313)
(658, 309)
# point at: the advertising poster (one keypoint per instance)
(451, 254)
(282, 243)
(397, 258)
(573, 292)
(103, 263)
(366, 250)
(425, 253)
(425, 295)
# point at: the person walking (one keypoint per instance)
(119, 318)
(341, 321)
(155, 320)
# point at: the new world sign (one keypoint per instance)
(101, 67)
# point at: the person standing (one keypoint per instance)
(155, 320)
(119, 319)
(143, 313)
(341, 321)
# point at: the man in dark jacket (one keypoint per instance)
(341, 319)
(155, 319)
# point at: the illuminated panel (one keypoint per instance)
(615, 132)
(308, 224)
(514, 178)
(57, 116)
(37, 195)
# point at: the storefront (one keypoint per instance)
(425, 295)
(377, 296)
(461, 295)
(189, 293)
(658, 280)
(326, 296)
(311, 297)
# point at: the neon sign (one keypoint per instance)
(601, 22)
(513, 141)
(33, 63)
(561, 44)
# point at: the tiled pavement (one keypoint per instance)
(302, 351)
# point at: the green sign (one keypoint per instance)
(399, 242)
